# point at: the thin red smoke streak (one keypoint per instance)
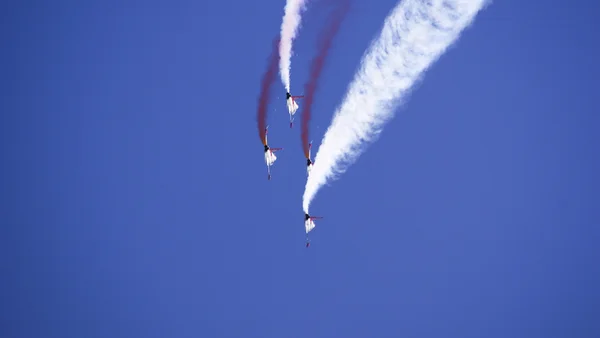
(317, 65)
(265, 90)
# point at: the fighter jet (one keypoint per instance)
(292, 106)
(309, 163)
(309, 224)
(270, 157)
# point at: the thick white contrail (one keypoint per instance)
(289, 29)
(413, 37)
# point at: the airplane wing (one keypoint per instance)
(309, 225)
(292, 107)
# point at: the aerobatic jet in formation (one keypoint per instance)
(292, 106)
(309, 163)
(309, 224)
(270, 157)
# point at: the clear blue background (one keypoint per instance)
(135, 201)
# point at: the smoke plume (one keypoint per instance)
(317, 65)
(414, 36)
(289, 28)
(265, 89)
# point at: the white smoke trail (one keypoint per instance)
(289, 29)
(413, 37)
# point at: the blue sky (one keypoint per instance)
(136, 202)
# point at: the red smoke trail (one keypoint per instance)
(265, 88)
(317, 64)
